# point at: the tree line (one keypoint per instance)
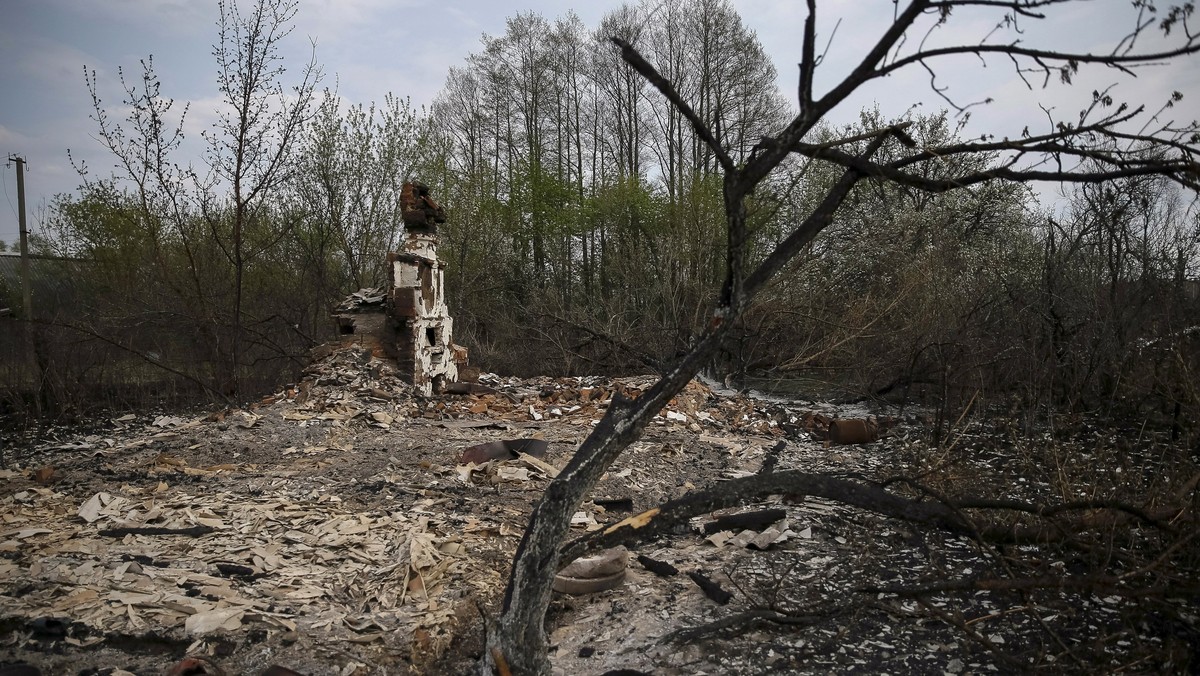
(639, 196)
(587, 233)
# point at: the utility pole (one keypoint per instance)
(26, 297)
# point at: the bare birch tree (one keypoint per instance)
(204, 228)
(251, 146)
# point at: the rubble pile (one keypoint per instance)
(354, 378)
(337, 511)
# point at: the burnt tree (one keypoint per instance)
(1105, 142)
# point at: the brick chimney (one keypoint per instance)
(416, 306)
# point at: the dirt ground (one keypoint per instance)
(333, 529)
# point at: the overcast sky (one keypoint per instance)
(371, 47)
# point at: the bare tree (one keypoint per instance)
(251, 148)
(1104, 143)
(185, 242)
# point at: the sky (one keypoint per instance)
(368, 48)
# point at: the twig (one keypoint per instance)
(745, 620)
(191, 531)
(1106, 583)
(1011, 661)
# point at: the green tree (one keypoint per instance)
(589, 194)
(251, 149)
(350, 170)
(191, 236)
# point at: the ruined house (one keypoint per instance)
(409, 319)
(416, 302)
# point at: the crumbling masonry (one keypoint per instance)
(416, 304)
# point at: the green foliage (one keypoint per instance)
(587, 227)
(349, 172)
(598, 209)
(179, 270)
(903, 284)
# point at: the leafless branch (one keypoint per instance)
(98, 335)
(643, 67)
(1106, 584)
(808, 62)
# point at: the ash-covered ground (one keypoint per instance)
(333, 528)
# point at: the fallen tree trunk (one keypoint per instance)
(946, 514)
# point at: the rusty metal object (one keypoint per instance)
(604, 563)
(590, 574)
(577, 586)
(503, 450)
(196, 666)
(853, 431)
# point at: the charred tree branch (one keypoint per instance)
(744, 621)
(946, 514)
(643, 67)
(1184, 172)
(808, 63)
(1106, 584)
(1041, 55)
